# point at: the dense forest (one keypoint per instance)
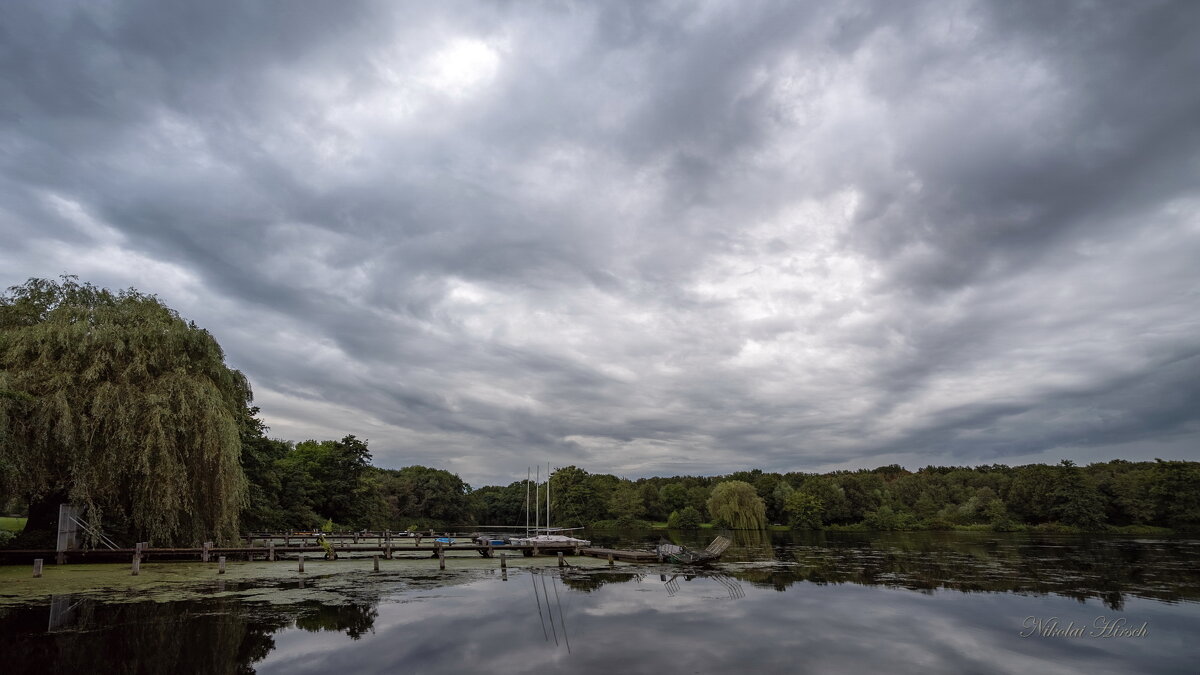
(113, 402)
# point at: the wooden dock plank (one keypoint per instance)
(618, 554)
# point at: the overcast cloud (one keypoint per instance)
(644, 238)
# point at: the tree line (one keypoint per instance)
(112, 401)
(1064, 496)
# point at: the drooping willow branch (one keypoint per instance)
(121, 405)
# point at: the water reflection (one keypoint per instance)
(780, 602)
(1106, 568)
(549, 617)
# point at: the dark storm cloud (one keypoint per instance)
(640, 237)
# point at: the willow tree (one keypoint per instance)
(119, 405)
(736, 504)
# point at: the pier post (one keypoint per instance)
(301, 563)
(560, 558)
(271, 551)
(376, 559)
(37, 568)
(136, 569)
(60, 558)
(535, 549)
(441, 557)
(610, 559)
(221, 565)
(204, 553)
(503, 561)
(418, 542)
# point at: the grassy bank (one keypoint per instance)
(12, 524)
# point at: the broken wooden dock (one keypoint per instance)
(622, 555)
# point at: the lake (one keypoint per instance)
(781, 602)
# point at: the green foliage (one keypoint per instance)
(804, 511)
(329, 474)
(121, 406)
(497, 505)
(1176, 493)
(883, 518)
(735, 504)
(577, 497)
(687, 518)
(832, 496)
(625, 503)
(998, 517)
(330, 554)
(327, 527)
(1077, 503)
(697, 498)
(272, 493)
(419, 493)
(673, 496)
(777, 505)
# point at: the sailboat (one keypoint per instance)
(544, 536)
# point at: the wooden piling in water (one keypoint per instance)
(221, 565)
(37, 568)
(560, 559)
(301, 563)
(271, 551)
(376, 559)
(610, 559)
(441, 558)
(136, 568)
(204, 554)
(503, 561)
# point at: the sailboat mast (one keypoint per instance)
(537, 508)
(547, 496)
(527, 472)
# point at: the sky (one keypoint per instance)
(644, 238)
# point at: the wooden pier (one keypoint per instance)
(270, 553)
(271, 546)
(278, 546)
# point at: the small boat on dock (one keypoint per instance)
(544, 536)
(549, 540)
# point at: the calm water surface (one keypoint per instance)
(897, 603)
